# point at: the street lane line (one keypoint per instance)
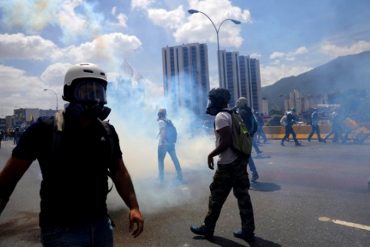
(345, 223)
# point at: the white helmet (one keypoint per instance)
(85, 82)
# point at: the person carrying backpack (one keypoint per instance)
(231, 170)
(251, 123)
(77, 152)
(167, 141)
(315, 126)
(291, 119)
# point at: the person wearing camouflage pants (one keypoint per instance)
(231, 172)
(231, 176)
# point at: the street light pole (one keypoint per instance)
(217, 29)
(56, 96)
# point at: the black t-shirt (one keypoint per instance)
(74, 170)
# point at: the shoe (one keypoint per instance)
(249, 238)
(308, 139)
(282, 143)
(255, 177)
(298, 144)
(202, 230)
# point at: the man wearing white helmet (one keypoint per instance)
(77, 152)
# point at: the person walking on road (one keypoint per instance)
(291, 119)
(231, 173)
(77, 151)
(315, 126)
(250, 122)
(260, 133)
(167, 139)
(336, 128)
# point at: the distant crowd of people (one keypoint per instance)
(14, 134)
(341, 127)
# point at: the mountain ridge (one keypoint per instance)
(338, 75)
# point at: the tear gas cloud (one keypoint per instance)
(134, 116)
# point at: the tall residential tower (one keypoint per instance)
(241, 75)
(186, 76)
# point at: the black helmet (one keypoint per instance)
(219, 96)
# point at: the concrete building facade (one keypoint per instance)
(241, 76)
(186, 76)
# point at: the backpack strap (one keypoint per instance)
(109, 136)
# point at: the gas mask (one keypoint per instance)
(89, 100)
(212, 108)
(78, 110)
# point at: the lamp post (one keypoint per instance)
(56, 95)
(217, 29)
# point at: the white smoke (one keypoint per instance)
(134, 114)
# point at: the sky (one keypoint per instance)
(40, 39)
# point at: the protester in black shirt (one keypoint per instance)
(77, 152)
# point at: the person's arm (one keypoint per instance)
(162, 132)
(9, 177)
(225, 142)
(125, 189)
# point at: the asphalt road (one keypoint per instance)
(314, 195)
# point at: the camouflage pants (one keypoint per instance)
(231, 176)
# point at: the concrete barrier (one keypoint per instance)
(302, 131)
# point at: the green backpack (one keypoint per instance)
(242, 140)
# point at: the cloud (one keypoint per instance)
(109, 49)
(85, 23)
(121, 18)
(290, 56)
(197, 28)
(167, 19)
(141, 4)
(112, 47)
(21, 90)
(20, 46)
(272, 73)
(256, 55)
(53, 75)
(29, 15)
(333, 50)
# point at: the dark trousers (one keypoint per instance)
(289, 130)
(337, 134)
(99, 233)
(252, 165)
(315, 129)
(231, 176)
(254, 143)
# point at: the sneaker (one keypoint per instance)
(255, 177)
(298, 144)
(202, 230)
(249, 238)
(259, 155)
(282, 143)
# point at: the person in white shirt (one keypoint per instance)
(167, 139)
(231, 173)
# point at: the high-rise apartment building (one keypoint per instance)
(255, 84)
(230, 74)
(241, 75)
(186, 76)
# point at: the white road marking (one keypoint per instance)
(345, 223)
